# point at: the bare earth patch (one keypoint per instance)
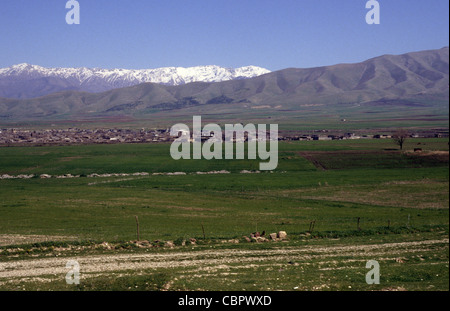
(414, 196)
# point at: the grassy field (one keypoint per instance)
(398, 197)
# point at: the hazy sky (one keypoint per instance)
(274, 34)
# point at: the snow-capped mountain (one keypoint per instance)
(27, 81)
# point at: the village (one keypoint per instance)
(76, 136)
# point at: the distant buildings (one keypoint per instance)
(80, 136)
(73, 136)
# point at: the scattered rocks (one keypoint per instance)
(213, 172)
(260, 237)
(68, 176)
(106, 245)
(394, 289)
(143, 244)
(95, 175)
(255, 235)
(280, 236)
(273, 236)
(169, 174)
(22, 176)
(169, 244)
(249, 172)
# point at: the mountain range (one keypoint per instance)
(29, 81)
(416, 79)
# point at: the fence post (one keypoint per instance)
(137, 227)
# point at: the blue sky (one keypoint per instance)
(274, 34)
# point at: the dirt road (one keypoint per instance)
(52, 268)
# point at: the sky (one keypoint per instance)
(274, 34)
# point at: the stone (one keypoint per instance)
(169, 244)
(105, 245)
(273, 236)
(143, 244)
(282, 235)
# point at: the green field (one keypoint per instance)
(397, 196)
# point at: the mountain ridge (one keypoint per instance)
(407, 80)
(30, 81)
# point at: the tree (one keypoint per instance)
(400, 137)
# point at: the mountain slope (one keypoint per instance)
(410, 79)
(28, 81)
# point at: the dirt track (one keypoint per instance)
(98, 264)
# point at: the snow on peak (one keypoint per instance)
(128, 77)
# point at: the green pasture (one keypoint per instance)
(354, 193)
(384, 189)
